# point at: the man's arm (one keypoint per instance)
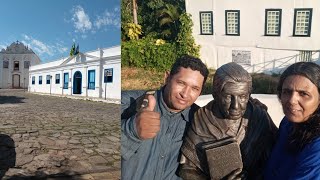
(142, 126)
(130, 141)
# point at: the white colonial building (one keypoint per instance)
(91, 74)
(264, 35)
(15, 61)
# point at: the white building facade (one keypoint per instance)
(92, 74)
(264, 35)
(15, 61)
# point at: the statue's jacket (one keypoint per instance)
(256, 136)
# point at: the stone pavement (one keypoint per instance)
(45, 137)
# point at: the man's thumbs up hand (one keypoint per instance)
(148, 121)
(149, 102)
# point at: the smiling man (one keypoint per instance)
(151, 136)
(230, 115)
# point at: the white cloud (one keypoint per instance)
(108, 18)
(81, 20)
(101, 22)
(60, 48)
(26, 37)
(84, 36)
(42, 48)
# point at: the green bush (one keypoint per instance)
(144, 53)
(264, 84)
(261, 84)
(185, 39)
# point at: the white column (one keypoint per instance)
(85, 79)
(62, 81)
(71, 80)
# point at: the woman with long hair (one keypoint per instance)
(296, 154)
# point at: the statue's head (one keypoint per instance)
(232, 87)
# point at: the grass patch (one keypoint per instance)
(141, 79)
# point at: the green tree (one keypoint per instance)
(185, 39)
(148, 16)
(72, 50)
(133, 31)
(126, 17)
(134, 12)
(168, 17)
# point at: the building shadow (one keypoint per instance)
(11, 99)
(40, 175)
(7, 154)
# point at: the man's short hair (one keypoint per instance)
(231, 72)
(191, 62)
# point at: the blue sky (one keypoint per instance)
(49, 27)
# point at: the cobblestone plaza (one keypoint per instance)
(55, 137)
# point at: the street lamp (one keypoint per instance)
(24, 84)
(50, 83)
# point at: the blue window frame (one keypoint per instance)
(65, 80)
(108, 75)
(57, 78)
(48, 79)
(40, 79)
(91, 79)
(33, 80)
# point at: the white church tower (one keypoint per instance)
(15, 61)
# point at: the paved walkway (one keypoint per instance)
(45, 137)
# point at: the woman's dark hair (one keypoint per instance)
(305, 132)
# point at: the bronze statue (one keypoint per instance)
(231, 118)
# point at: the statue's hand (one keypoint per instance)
(236, 174)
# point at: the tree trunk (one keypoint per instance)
(135, 16)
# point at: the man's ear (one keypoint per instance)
(166, 77)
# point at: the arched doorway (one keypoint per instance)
(77, 80)
(15, 81)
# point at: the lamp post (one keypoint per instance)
(50, 83)
(24, 84)
(105, 91)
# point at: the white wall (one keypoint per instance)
(216, 49)
(7, 73)
(82, 63)
(112, 90)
